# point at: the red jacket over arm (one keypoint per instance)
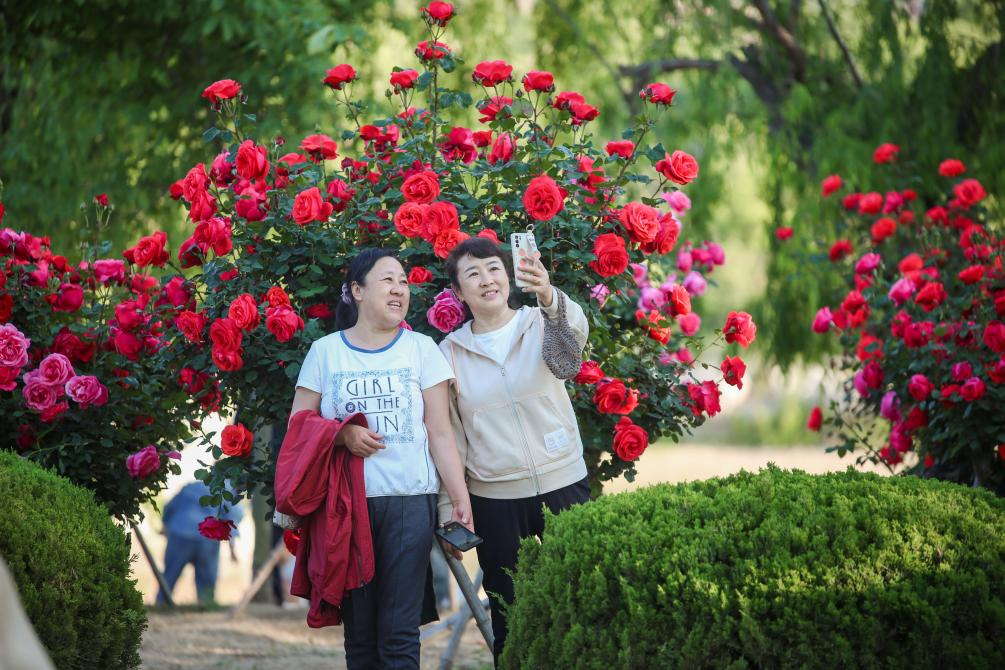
(323, 484)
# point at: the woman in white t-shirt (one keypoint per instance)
(398, 379)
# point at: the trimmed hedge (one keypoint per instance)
(771, 570)
(71, 566)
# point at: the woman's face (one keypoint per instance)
(383, 297)
(483, 284)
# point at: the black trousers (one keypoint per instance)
(382, 618)
(502, 524)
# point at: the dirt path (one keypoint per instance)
(269, 638)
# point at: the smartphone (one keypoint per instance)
(522, 245)
(458, 536)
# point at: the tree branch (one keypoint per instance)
(649, 68)
(796, 53)
(841, 43)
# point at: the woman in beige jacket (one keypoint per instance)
(513, 421)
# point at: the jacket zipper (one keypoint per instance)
(526, 442)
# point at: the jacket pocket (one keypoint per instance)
(495, 445)
(551, 433)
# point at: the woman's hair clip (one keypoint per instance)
(346, 295)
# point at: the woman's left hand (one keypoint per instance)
(532, 271)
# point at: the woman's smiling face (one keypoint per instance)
(483, 284)
(383, 298)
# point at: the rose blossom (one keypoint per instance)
(612, 256)
(236, 440)
(740, 328)
(867, 263)
(629, 440)
(69, 298)
(651, 298)
(403, 79)
(901, 291)
(589, 373)
(283, 322)
(144, 462)
(689, 323)
(543, 199)
(679, 167)
(815, 420)
(640, 220)
(243, 311)
(613, 397)
(537, 80)
(446, 313)
(38, 395)
(599, 292)
(87, 391)
(309, 206)
(678, 200)
(823, 320)
(216, 529)
(225, 89)
(889, 406)
(55, 370)
(13, 347)
(695, 283)
(339, 76)
(109, 270)
(421, 187)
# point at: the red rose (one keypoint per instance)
(276, 296)
(502, 149)
(740, 328)
(225, 89)
(127, 345)
(543, 199)
(491, 107)
(320, 311)
(408, 220)
(283, 322)
(419, 275)
(678, 300)
(129, 315)
(704, 398)
(885, 153)
(733, 370)
(629, 440)
(320, 147)
(191, 325)
(666, 236)
(437, 218)
(816, 419)
(492, 73)
(589, 373)
(150, 250)
(830, 184)
(225, 335)
(679, 167)
(214, 233)
(839, 250)
(438, 12)
(951, 167)
(882, 229)
(623, 148)
(566, 99)
(403, 79)
(236, 440)
(101, 199)
(212, 528)
(640, 221)
(582, 112)
(783, 234)
(6, 307)
(244, 312)
(612, 257)
(421, 187)
(919, 387)
(339, 76)
(870, 203)
(930, 296)
(658, 94)
(488, 234)
(252, 161)
(969, 192)
(459, 145)
(309, 206)
(972, 389)
(73, 347)
(426, 51)
(537, 80)
(612, 397)
(69, 298)
(228, 361)
(972, 274)
(994, 337)
(446, 240)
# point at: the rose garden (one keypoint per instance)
(129, 341)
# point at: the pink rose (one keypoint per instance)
(13, 347)
(216, 529)
(69, 298)
(695, 284)
(144, 462)
(109, 270)
(919, 387)
(867, 263)
(599, 293)
(689, 323)
(38, 395)
(651, 298)
(87, 391)
(446, 312)
(678, 201)
(55, 370)
(823, 320)
(901, 291)
(889, 406)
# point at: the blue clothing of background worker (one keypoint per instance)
(181, 518)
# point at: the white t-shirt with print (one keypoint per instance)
(386, 386)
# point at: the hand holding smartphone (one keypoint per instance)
(458, 536)
(523, 245)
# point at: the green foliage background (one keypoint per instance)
(102, 96)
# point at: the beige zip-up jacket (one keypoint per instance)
(514, 424)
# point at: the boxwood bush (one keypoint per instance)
(71, 566)
(777, 569)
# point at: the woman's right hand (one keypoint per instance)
(361, 441)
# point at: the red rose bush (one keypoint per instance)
(273, 229)
(921, 324)
(83, 389)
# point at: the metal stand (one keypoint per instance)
(153, 565)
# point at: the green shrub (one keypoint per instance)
(769, 570)
(71, 565)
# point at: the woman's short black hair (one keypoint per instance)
(346, 313)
